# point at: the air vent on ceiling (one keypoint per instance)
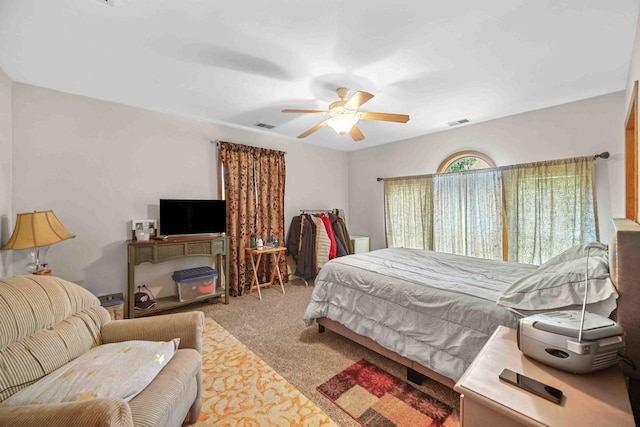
(264, 125)
(458, 122)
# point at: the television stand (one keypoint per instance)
(157, 251)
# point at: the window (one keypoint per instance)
(466, 160)
(467, 216)
(524, 213)
(549, 207)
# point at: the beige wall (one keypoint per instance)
(575, 129)
(99, 164)
(6, 212)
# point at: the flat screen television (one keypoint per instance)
(188, 217)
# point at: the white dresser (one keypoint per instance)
(360, 244)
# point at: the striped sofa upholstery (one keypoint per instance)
(45, 322)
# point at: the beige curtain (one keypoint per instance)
(467, 217)
(524, 213)
(550, 206)
(409, 212)
(254, 180)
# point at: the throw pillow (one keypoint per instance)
(120, 370)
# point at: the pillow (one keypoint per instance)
(595, 250)
(560, 282)
(120, 370)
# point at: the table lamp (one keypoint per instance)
(34, 230)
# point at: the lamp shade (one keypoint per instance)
(35, 229)
(343, 123)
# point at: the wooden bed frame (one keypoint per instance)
(415, 371)
(624, 260)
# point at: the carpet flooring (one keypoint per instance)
(375, 398)
(240, 389)
(273, 329)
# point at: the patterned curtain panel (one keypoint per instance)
(409, 212)
(240, 193)
(467, 217)
(270, 184)
(550, 207)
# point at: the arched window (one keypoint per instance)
(465, 160)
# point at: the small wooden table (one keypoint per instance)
(256, 256)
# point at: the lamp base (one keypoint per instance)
(34, 262)
(32, 267)
(37, 261)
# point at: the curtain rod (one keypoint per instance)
(603, 155)
(217, 142)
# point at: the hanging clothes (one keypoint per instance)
(332, 240)
(313, 240)
(340, 249)
(293, 237)
(341, 234)
(323, 244)
(306, 262)
(347, 238)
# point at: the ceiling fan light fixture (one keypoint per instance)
(343, 123)
(345, 115)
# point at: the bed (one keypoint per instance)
(385, 301)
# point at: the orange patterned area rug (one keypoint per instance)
(375, 398)
(239, 389)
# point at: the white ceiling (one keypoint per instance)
(241, 62)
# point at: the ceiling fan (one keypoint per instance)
(345, 115)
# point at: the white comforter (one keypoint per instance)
(434, 308)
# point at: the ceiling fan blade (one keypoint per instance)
(387, 117)
(288, 110)
(313, 129)
(357, 100)
(356, 133)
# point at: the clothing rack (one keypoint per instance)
(313, 239)
(312, 211)
(335, 211)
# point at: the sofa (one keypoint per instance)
(64, 362)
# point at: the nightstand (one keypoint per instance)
(596, 399)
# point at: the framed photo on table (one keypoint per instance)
(141, 224)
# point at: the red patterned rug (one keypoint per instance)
(375, 398)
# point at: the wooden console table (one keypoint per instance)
(256, 256)
(157, 251)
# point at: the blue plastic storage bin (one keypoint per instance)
(196, 282)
